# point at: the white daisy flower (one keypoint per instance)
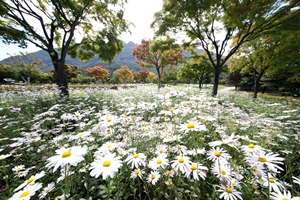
(272, 183)
(107, 166)
(27, 192)
(153, 177)
(31, 180)
(136, 173)
(197, 170)
(136, 160)
(218, 154)
(182, 163)
(46, 190)
(271, 160)
(159, 161)
(65, 156)
(192, 126)
(286, 195)
(229, 193)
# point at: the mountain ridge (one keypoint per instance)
(124, 58)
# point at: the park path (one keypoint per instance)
(227, 90)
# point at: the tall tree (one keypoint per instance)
(158, 54)
(212, 24)
(267, 54)
(98, 72)
(197, 66)
(82, 28)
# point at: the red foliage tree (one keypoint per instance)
(141, 75)
(98, 72)
(158, 54)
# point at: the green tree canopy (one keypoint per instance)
(212, 24)
(82, 28)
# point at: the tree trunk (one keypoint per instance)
(61, 79)
(256, 84)
(200, 83)
(217, 71)
(28, 80)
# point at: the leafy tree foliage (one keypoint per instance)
(69, 71)
(234, 78)
(83, 79)
(141, 75)
(7, 71)
(213, 23)
(158, 54)
(30, 70)
(82, 28)
(267, 54)
(152, 78)
(196, 67)
(98, 72)
(124, 74)
(24, 67)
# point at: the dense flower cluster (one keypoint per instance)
(152, 140)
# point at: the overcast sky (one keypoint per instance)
(140, 12)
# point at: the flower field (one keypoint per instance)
(141, 143)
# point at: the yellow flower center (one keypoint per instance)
(190, 125)
(24, 194)
(108, 119)
(66, 154)
(109, 146)
(181, 160)
(271, 180)
(30, 180)
(193, 167)
(161, 151)
(80, 134)
(228, 190)
(168, 172)
(262, 159)
(251, 146)
(153, 176)
(159, 161)
(179, 147)
(135, 156)
(217, 153)
(47, 191)
(169, 183)
(223, 172)
(284, 198)
(137, 172)
(106, 163)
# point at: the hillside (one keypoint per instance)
(124, 58)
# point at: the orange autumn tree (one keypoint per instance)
(98, 72)
(124, 74)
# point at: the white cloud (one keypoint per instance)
(141, 12)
